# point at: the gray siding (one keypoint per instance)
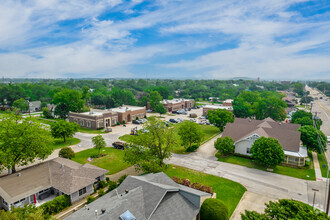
(75, 196)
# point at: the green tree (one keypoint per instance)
(271, 106)
(286, 209)
(63, 129)
(304, 121)
(213, 209)
(148, 150)
(46, 112)
(21, 104)
(220, 118)
(300, 114)
(71, 98)
(313, 138)
(241, 110)
(28, 212)
(160, 109)
(61, 110)
(66, 152)
(267, 151)
(299, 89)
(225, 145)
(190, 133)
(155, 98)
(22, 140)
(99, 142)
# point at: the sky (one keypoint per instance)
(172, 39)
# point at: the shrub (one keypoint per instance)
(101, 192)
(137, 118)
(118, 123)
(112, 185)
(225, 145)
(192, 148)
(307, 163)
(66, 152)
(107, 179)
(197, 186)
(213, 209)
(90, 199)
(121, 179)
(56, 205)
(101, 184)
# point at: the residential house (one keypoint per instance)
(95, 118)
(45, 181)
(207, 108)
(151, 196)
(245, 132)
(214, 99)
(34, 106)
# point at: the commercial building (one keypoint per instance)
(45, 181)
(129, 113)
(207, 108)
(177, 104)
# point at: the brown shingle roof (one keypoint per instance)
(63, 174)
(285, 133)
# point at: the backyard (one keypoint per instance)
(113, 161)
(306, 173)
(208, 132)
(229, 192)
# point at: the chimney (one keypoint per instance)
(126, 191)
(102, 211)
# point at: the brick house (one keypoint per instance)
(95, 118)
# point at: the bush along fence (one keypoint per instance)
(198, 186)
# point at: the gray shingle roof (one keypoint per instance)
(68, 178)
(285, 133)
(152, 196)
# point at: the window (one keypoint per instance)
(82, 191)
(82, 123)
(4, 202)
(248, 150)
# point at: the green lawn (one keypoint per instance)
(113, 161)
(323, 164)
(307, 173)
(58, 143)
(208, 132)
(229, 192)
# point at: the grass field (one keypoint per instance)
(208, 132)
(323, 164)
(229, 192)
(113, 161)
(58, 143)
(306, 173)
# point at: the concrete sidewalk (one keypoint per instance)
(318, 173)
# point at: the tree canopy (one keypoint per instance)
(21, 104)
(267, 151)
(99, 143)
(225, 145)
(73, 99)
(190, 133)
(151, 146)
(22, 140)
(155, 98)
(313, 138)
(220, 117)
(63, 129)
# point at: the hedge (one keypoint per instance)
(56, 205)
(213, 209)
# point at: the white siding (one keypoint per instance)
(242, 146)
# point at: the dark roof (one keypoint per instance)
(63, 174)
(152, 196)
(285, 133)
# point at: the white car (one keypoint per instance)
(328, 138)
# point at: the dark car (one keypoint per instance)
(173, 120)
(138, 122)
(119, 145)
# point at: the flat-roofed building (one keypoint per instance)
(228, 102)
(207, 108)
(177, 104)
(95, 118)
(129, 113)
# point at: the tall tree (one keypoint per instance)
(155, 98)
(190, 133)
(313, 138)
(22, 140)
(61, 110)
(220, 117)
(149, 149)
(160, 109)
(225, 145)
(21, 104)
(99, 143)
(267, 151)
(63, 129)
(71, 98)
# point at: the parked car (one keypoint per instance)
(328, 138)
(138, 122)
(202, 117)
(179, 120)
(173, 120)
(193, 120)
(149, 110)
(143, 120)
(193, 115)
(119, 145)
(168, 124)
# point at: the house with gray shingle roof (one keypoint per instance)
(151, 196)
(45, 181)
(245, 132)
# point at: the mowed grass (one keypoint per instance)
(208, 132)
(113, 161)
(229, 192)
(306, 173)
(323, 164)
(58, 142)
